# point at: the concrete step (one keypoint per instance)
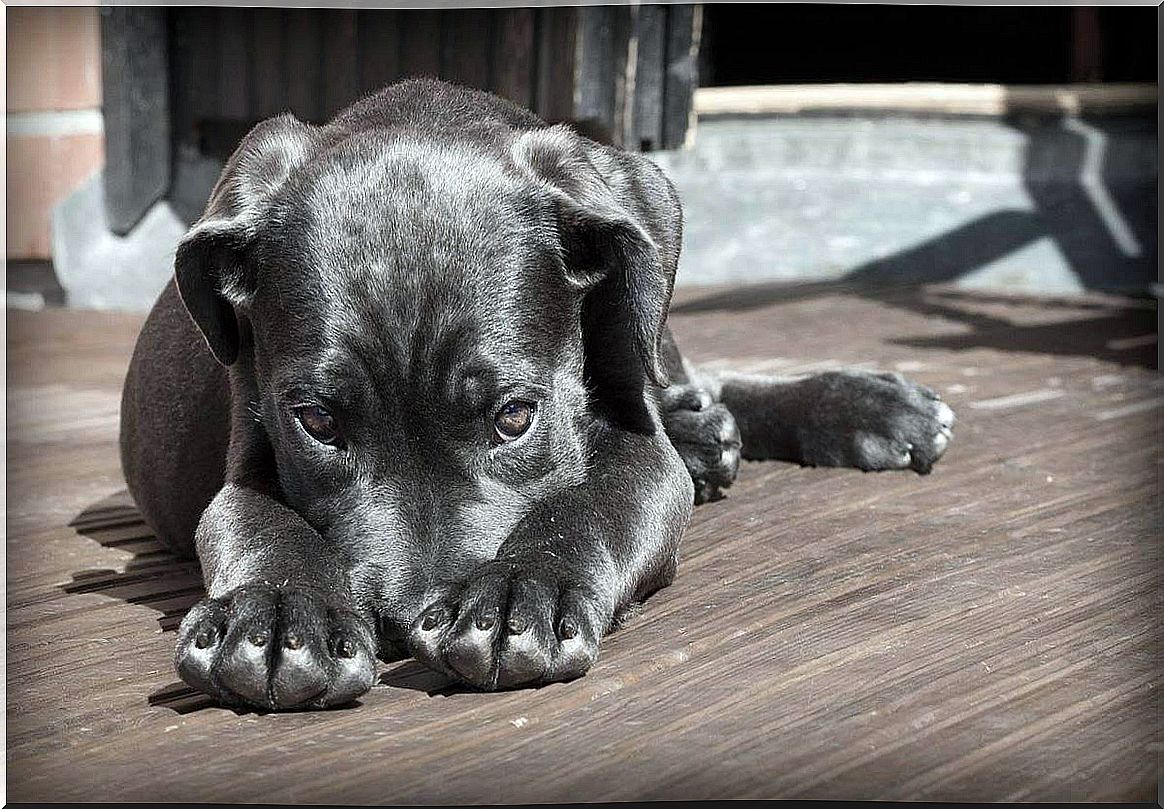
(1061, 204)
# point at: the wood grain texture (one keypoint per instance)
(269, 64)
(235, 31)
(930, 97)
(305, 63)
(650, 76)
(556, 29)
(341, 68)
(420, 39)
(681, 72)
(512, 55)
(379, 37)
(466, 37)
(988, 632)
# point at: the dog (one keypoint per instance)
(411, 391)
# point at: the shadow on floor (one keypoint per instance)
(1120, 334)
(153, 577)
(1097, 205)
(156, 578)
(413, 676)
(1119, 331)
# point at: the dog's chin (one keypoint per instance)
(392, 639)
(391, 651)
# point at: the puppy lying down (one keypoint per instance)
(412, 392)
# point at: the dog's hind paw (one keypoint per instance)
(705, 435)
(275, 649)
(874, 421)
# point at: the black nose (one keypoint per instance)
(393, 638)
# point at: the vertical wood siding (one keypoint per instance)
(232, 67)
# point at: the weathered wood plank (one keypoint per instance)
(135, 83)
(465, 38)
(379, 36)
(513, 55)
(305, 63)
(681, 72)
(341, 75)
(556, 29)
(930, 98)
(651, 36)
(604, 37)
(195, 79)
(235, 46)
(420, 50)
(987, 632)
(269, 62)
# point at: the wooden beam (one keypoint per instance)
(557, 31)
(600, 72)
(512, 70)
(681, 72)
(650, 34)
(135, 83)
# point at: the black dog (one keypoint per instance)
(414, 392)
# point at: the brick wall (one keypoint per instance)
(55, 137)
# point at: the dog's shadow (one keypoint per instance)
(155, 577)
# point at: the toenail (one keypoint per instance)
(292, 641)
(568, 630)
(346, 648)
(485, 621)
(517, 625)
(258, 638)
(204, 638)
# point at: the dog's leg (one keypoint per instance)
(871, 421)
(703, 431)
(278, 628)
(538, 611)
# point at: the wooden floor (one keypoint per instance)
(991, 631)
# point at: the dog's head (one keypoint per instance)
(424, 330)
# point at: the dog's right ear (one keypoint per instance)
(211, 265)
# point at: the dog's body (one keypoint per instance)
(409, 394)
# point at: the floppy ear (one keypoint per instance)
(211, 263)
(620, 226)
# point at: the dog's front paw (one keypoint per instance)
(275, 649)
(512, 623)
(705, 435)
(876, 421)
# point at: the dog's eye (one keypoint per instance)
(513, 419)
(319, 424)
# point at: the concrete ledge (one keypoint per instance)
(1057, 204)
(948, 99)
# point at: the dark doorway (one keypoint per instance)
(797, 43)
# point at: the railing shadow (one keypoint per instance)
(1097, 210)
(156, 578)
(153, 577)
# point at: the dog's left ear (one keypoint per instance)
(620, 227)
(212, 268)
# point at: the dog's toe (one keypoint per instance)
(512, 624)
(708, 441)
(275, 649)
(890, 423)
